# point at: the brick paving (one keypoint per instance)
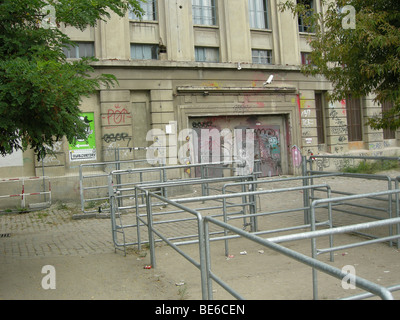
(52, 232)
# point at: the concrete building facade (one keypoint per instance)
(203, 64)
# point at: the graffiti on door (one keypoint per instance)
(267, 140)
(268, 150)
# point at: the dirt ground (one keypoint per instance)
(89, 269)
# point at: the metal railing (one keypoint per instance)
(139, 203)
(355, 209)
(94, 186)
(362, 283)
(126, 199)
(203, 241)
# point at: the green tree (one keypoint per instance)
(40, 91)
(360, 59)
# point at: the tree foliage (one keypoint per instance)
(362, 61)
(40, 91)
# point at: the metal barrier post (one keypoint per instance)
(208, 260)
(306, 198)
(112, 210)
(150, 229)
(138, 220)
(397, 211)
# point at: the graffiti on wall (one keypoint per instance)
(117, 115)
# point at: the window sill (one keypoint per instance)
(144, 21)
(261, 30)
(204, 26)
(302, 33)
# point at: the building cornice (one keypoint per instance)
(204, 90)
(161, 64)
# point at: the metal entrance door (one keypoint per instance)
(269, 141)
(268, 149)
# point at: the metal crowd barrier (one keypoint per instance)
(204, 240)
(355, 209)
(98, 182)
(179, 203)
(124, 197)
(362, 283)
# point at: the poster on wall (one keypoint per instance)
(85, 149)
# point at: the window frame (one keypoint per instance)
(319, 114)
(388, 133)
(354, 118)
(301, 27)
(255, 12)
(306, 58)
(201, 6)
(153, 47)
(259, 57)
(205, 49)
(149, 15)
(77, 50)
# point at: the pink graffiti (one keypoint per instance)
(117, 116)
(296, 156)
(343, 103)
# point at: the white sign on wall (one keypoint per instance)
(13, 160)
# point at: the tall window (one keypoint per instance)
(207, 54)
(303, 27)
(258, 10)
(82, 49)
(388, 133)
(144, 51)
(150, 11)
(262, 56)
(204, 12)
(319, 106)
(354, 120)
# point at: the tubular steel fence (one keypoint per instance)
(224, 207)
(203, 241)
(94, 178)
(126, 199)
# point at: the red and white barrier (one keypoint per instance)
(23, 194)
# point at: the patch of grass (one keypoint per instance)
(372, 167)
(183, 292)
(61, 206)
(42, 215)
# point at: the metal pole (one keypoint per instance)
(226, 221)
(150, 229)
(137, 220)
(314, 255)
(203, 261)
(306, 199)
(208, 259)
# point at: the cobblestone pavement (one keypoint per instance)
(82, 254)
(53, 232)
